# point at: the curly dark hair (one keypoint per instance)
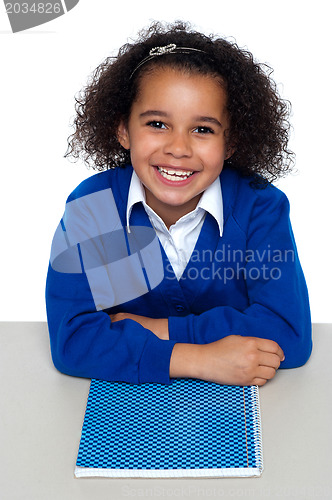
(258, 117)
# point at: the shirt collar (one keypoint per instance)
(136, 194)
(211, 200)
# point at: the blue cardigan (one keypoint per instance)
(248, 282)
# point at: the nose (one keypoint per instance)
(178, 145)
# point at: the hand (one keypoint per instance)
(233, 360)
(158, 326)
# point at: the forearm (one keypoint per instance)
(234, 360)
(185, 361)
(292, 333)
(85, 343)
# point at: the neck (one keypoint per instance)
(171, 214)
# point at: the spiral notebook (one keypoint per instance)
(189, 428)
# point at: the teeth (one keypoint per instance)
(174, 175)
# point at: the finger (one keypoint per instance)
(269, 360)
(265, 372)
(116, 317)
(259, 381)
(267, 345)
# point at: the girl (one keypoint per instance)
(178, 260)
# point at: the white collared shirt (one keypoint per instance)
(180, 239)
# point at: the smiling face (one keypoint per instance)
(176, 136)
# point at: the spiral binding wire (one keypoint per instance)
(257, 423)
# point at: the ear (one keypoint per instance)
(230, 151)
(230, 145)
(123, 135)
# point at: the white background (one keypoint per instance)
(43, 68)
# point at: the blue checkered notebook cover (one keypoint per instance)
(189, 428)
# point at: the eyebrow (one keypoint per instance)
(208, 119)
(152, 112)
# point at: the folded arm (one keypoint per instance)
(232, 360)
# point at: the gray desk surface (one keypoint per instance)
(42, 413)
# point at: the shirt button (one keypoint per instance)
(179, 307)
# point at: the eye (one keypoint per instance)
(156, 124)
(204, 130)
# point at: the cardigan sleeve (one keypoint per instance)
(277, 297)
(84, 341)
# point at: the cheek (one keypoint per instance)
(220, 152)
(212, 154)
(140, 153)
(144, 145)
